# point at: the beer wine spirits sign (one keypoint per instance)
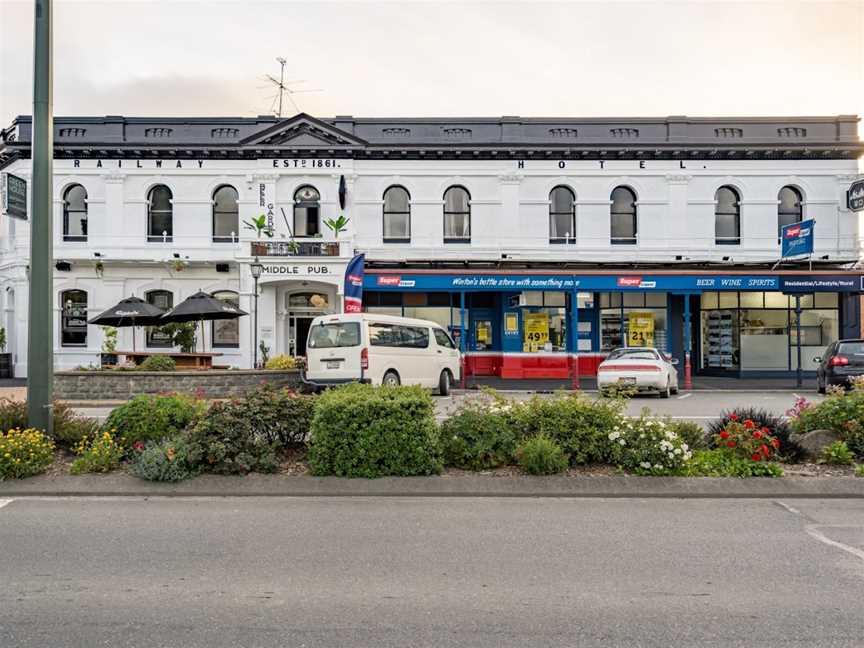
(13, 196)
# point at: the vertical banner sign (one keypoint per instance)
(353, 297)
(641, 330)
(797, 238)
(13, 196)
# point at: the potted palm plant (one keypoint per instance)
(108, 357)
(5, 358)
(338, 225)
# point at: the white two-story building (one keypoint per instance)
(537, 242)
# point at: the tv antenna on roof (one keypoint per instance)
(284, 89)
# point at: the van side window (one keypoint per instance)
(396, 335)
(443, 339)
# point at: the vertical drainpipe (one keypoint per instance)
(688, 377)
(462, 346)
(574, 327)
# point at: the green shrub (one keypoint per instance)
(691, 433)
(540, 455)
(158, 363)
(24, 452)
(837, 454)
(577, 423)
(281, 362)
(13, 414)
(364, 431)
(647, 446)
(840, 412)
(100, 453)
(224, 441)
(480, 435)
(165, 460)
(149, 418)
(778, 427)
(859, 471)
(69, 428)
(278, 415)
(724, 462)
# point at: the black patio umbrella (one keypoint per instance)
(201, 307)
(131, 311)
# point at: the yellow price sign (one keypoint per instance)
(536, 331)
(640, 331)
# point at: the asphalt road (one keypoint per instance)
(358, 572)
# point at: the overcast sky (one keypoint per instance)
(172, 57)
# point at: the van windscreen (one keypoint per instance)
(336, 334)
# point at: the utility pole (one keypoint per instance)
(40, 341)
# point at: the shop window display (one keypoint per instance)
(633, 319)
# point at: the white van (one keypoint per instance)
(381, 350)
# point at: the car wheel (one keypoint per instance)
(391, 379)
(820, 386)
(444, 382)
(664, 393)
(675, 389)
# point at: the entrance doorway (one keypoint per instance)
(301, 309)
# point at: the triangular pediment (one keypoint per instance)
(303, 131)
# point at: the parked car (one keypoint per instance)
(842, 360)
(644, 368)
(381, 350)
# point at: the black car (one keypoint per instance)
(842, 361)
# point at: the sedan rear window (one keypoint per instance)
(633, 354)
(851, 348)
(336, 334)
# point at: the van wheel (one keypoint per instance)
(391, 379)
(444, 383)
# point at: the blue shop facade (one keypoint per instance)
(539, 324)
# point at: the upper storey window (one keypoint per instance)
(75, 213)
(226, 214)
(307, 207)
(397, 215)
(790, 208)
(160, 215)
(562, 215)
(457, 215)
(727, 217)
(623, 213)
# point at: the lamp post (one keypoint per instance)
(256, 269)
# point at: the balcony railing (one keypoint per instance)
(295, 248)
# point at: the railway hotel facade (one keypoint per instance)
(537, 242)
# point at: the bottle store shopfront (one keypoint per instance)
(539, 325)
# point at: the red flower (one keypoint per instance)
(749, 424)
(138, 445)
(764, 449)
(731, 444)
(766, 429)
(757, 434)
(756, 456)
(724, 434)
(733, 417)
(775, 443)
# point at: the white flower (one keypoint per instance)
(678, 451)
(622, 442)
(644, 464)
(671, 456)
(685, 447)
(659, 466)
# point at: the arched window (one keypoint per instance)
(226, 333)
(75, 213)
(789, 208)
(727, 217)
(73, 318)
(307, 202)
(562, 215)
(157, 336)
(160, 214)
(624, 221)
(226, 215)
(397, 215)
(457, 215)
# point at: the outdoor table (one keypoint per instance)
(182, 360)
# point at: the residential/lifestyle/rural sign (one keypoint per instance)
(13, 196)
(855, 196)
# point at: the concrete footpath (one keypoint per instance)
(615, 486)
